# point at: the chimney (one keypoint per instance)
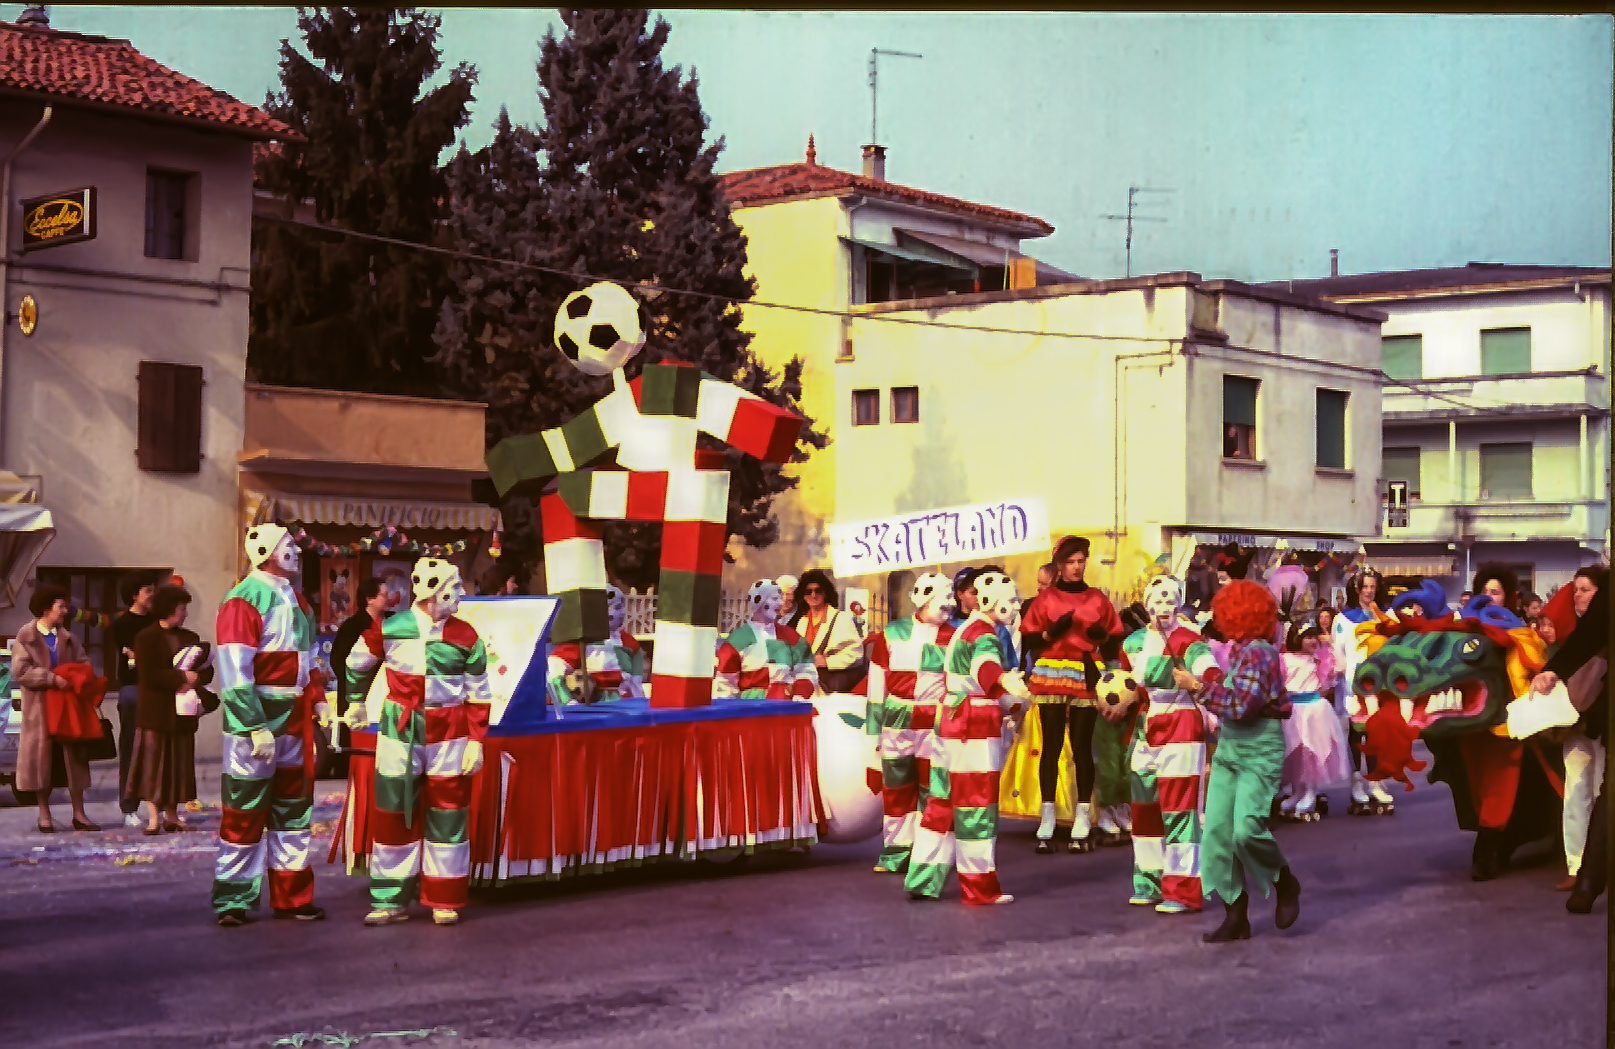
(875, 162)
(1334, 262)
(34, 16)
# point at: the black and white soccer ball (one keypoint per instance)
(600, 328)
(1117, 691)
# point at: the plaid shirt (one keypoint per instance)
(1253, 686)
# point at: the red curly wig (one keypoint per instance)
(1243, 610)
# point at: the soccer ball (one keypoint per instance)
(600, 328)
(1117, 691)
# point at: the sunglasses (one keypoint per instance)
(813, 590)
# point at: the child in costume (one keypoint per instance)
(1315, 754)
(603, 670)
(1168, 760)
(763, 658)
(1250, 703)
(1362, 592)
(1072, 620)
(907, 677)
(265, 635)
(428, 746)
(960, 825)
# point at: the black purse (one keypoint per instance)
(105, 748)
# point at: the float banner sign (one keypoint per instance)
(983, 531)
(59, 218)
(515, 632)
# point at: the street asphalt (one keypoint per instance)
(106, 940)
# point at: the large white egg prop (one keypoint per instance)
(851, 813)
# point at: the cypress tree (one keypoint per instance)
(624, 190)
(336, 311)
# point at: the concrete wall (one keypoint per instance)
(70, 397)
(1567, 332)
(364, 428)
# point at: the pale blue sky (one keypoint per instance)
(1405, 141)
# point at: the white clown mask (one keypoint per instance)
(616, 609)
(764, 601)
(271, 545)
(436, 586)
(1163, 596)
(997, 596)
(932, 595)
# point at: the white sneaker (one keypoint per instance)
(133, 820)
(386, 916)
(445, 916)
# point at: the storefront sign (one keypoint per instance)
(934, 537)
(1269, 542)
(57, 219)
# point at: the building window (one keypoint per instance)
(1505, 471)
(94, 590)
(1401, 464)
(1332, 429)
(1402, 356)
(169, 429)
(1239, 417)
(1505, 351)
(169, 218)
(1526, 574)
(906, 404)
(865, 407)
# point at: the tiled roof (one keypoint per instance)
(98, 69)
(805, 179)
(1393, 283)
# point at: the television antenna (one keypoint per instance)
(874, 56)
(1131, 217)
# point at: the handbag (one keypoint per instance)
(104, 747)
(833, 681)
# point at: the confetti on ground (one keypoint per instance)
(320, 830)
(345, 1040)
(29, 862)
(124, 861)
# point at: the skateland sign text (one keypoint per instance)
(933, 537)
(57, 219)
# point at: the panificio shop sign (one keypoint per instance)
(934, 537)
(57, 219)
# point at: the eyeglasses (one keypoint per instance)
(812, 590)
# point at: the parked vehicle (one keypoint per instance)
(11, 731)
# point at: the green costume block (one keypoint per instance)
(1244, 780)
(1110, 746)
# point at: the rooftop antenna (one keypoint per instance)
(1130, 217)
(874, 55)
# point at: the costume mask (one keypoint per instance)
(1162, 599)
(997, 597)
(272, 544)
(616, 609)
(765, 599)
(436, 586)
(933, 599)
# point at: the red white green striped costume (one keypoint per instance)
(907, 678)
(765, 661)
(960, 824)
(615, 666)
(1168, 766)
(265, 634)
(437, 699)
(652, 423)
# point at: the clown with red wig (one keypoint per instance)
(1251, 704)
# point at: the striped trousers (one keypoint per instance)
(959, 825)
(907, 744)
(421, 840)
(1168, 769)
(265, 825)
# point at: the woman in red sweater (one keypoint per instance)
(1070, 621)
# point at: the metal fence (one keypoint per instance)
(641, 612)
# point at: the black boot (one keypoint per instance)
(1288, 891)
(1236, 925)
(1483, 862)
(1591, 879)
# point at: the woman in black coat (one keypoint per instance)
(162, 769)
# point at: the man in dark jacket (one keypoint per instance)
(135, 590)
(372, 598)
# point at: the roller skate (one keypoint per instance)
(1110, 832)
(1359, 804)
(1081, 831)
(1380, 799)
(1306, 808)
(1284, 807)
(1045, 830)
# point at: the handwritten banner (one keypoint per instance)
(934, 537)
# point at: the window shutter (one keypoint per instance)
(1402, 356)
(1505, 470)
(1332, 429)
(169, 427)
(1401, 464)
(1239, 400)
(1505, 351)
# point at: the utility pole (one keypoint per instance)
(1131, 217)
(874, 55)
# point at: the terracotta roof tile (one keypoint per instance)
(802, 179)
(1393, 283)
(102, 70)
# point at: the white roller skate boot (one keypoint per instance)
(1380, 799)
(1306, 807)
(1110, 832)
(1081, 830)
(1045, 829)
(1287, 806)
(1359, 804)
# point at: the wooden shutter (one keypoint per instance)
(1332, 429)
(1401, 464)
(1402, 356)
(169, 434)
(1239, 400)
(1505, 470)
(1505, 351)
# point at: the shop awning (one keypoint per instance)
(26, 529)
(1413, 565)
(365, 512)
(916, 253)
(982, 254)
(1271, 542)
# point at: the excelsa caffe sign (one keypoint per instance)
(58, 218)
(934, 537)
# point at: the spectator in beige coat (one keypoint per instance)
(36, 652)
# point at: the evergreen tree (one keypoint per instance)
(618, 183)
(336, 311)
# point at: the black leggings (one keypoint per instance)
(1056, 719)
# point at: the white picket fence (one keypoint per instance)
(641, 618)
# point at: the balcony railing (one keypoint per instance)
(1500, 520)
(1496, 394)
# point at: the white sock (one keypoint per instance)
(1045, 829)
